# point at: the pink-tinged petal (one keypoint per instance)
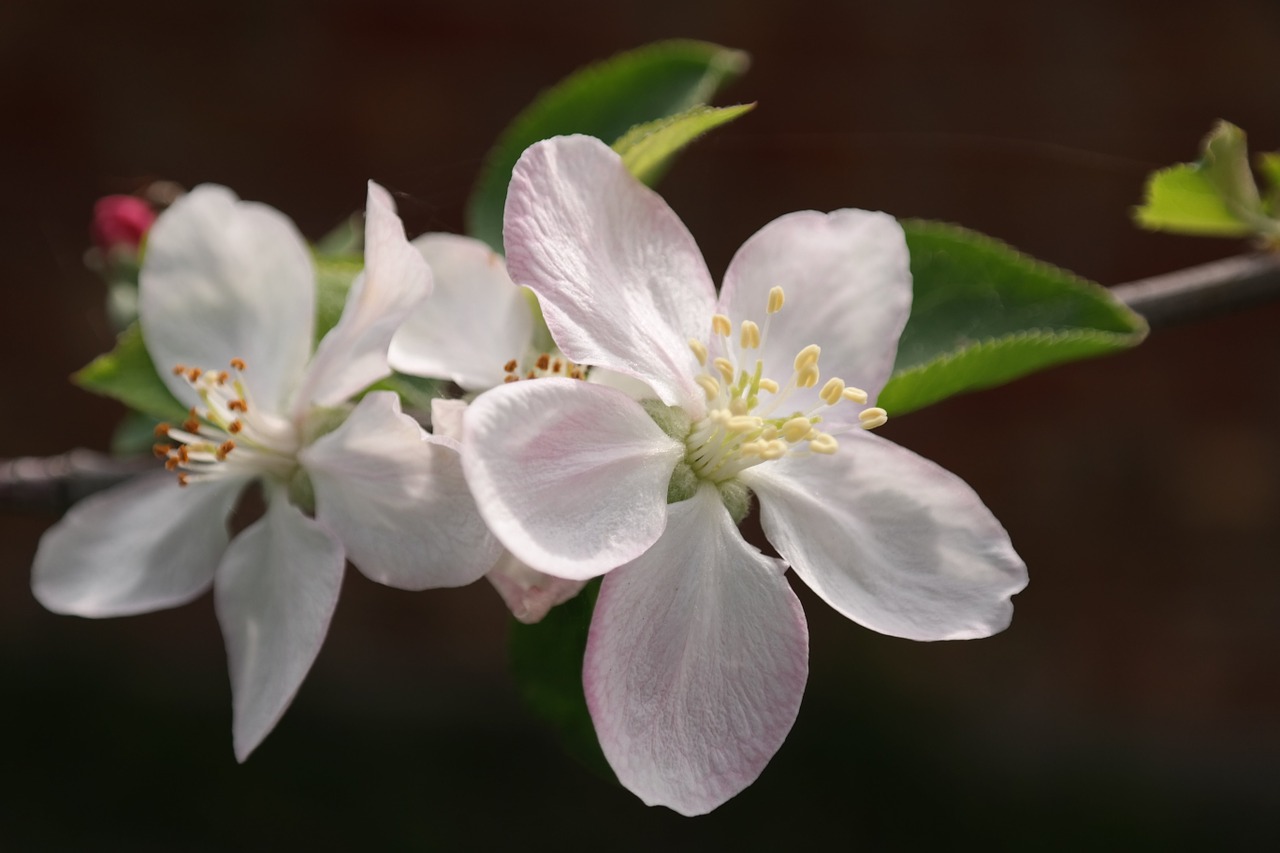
(891, 540)
(696, 662)
(847, 281)
(571, 477)
(396, 280)
(528, 593)
(142, 546)
(275, 592)
(475, 321)
(396, 499)
(621, 281)
(225, 279)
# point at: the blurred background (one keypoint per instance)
(1135, 701)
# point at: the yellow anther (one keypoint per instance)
(699, 350)
(725, 367)
(738, 406)
(744, 423)
(769, 433)
(857, 395)
(796, 429)
(709, 385)
(721, 326)
(833, 391)
(774, 450)
(807, 356)
(807, 377)
(776, 299)
(769, 385)
(873, 417)
(750, 335)
(823, 443)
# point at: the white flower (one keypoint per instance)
(697, 655)
(478, 330)
(227, 301)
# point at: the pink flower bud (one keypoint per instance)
(120, 221)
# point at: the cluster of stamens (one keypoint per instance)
(740, 430)
(543, 365)
(208, 436)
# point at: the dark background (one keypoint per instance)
(1132, 704)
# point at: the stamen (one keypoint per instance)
(721, 326)
(162, 430)
(194, 374)
(725, 367)
(857, 395)
(182, 479)
(543, 362)
(873, 417)
(750, 335)
(769, 385)
(709, 385)
(192, 423)
(179, 369)
(808, 377)
(509, 367)
(235, 426)
(161, 450)
(833, 391)
(699, 351)
(776, 298)
(796, 429)
(238, 406)
(823, 443)
(807, 356)
(511, 377)
(225, 449)
(238, 363)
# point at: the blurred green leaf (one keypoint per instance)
(984, 314)
(1182, 199)
(1215, 196)
(1269, 166)
(546, 660)
(334, 275)
(647, 149)
(604, 100)
(345, 240)
(127, 374)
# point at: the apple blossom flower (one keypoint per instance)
(227, 299)
(480, 330)
(698, 649)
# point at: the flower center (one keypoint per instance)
(539, 365)
(747, 421)
(228, 436)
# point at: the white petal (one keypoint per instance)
(891, 540)
(225, 279)
(275, 592)
(142, 546)
(446, 417)
(396, 499)
(528, 593)
(475, 321)
(847, 281)
(571, 477)
(394, 283)
(632, 387)
(621, 282)
(696, 662)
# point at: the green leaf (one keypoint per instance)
(1182, 199)
(604, 100)
(546, 660)
(984, 314)
(647, 149)
(334, 276)
(415, 392)
(1269, 166)
(1215, 196)
(345, 240)
(127, 374)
